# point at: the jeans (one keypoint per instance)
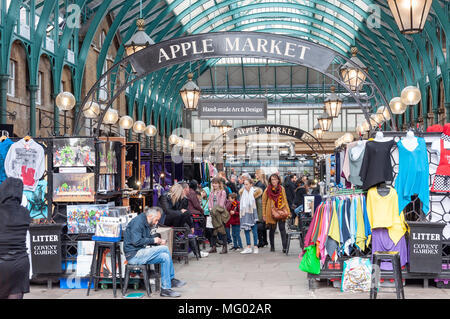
(227, 230)
(236, 233)
(255, 235)
(157, 255)
(282, 228)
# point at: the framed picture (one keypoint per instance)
(309, 204)
(73, 152)
(73, 187)
(108, 158)
(83, 219)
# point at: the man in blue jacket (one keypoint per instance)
(141, 247)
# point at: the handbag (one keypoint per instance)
(279, 213)
(310, 263)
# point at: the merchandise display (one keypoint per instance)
(26, 160)
(73, 187)
(82, 219)
(73, 152)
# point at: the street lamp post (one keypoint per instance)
(65, 101)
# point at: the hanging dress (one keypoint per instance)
(441, 181)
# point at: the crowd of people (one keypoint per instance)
(233, 204)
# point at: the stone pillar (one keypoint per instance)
(33, 89)
(3, 93)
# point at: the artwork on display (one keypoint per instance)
(309, 204)
(106, 183)
(73, 152)
(82, 219)
(108, 158)
(73, 187)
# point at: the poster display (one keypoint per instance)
(73, 152)
(82, 219)
(73, 187)
(108, 158)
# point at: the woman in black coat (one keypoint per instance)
(175, 207)
(14, 223)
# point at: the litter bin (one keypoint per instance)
(45, 246)
(425, 247)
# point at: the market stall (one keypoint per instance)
(402, 188)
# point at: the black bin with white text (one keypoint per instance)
(425, 247)
(45, 246)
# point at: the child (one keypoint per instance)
(234, 222)
(204, 202)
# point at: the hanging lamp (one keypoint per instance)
(353, 76)
(333, 103)
(410, 15)
(318, 132)
(325, 121)
(224, 127)
(140, 40)
(190, 93)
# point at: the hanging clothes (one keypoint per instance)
(376, 167)
(4, 148)
(413, 175)
(441, 182)
(355, 163)
(36, 200)
(381, 241)
(26, 160)
(337, 157)
(383, 213)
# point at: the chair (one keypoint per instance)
(144, 270)
(394, 257)
(181, 243)
(96, 274)
(293, 232)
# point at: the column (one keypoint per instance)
(55, 116)
(3, 93)
(33, 89)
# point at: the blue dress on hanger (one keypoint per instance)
(413, 175)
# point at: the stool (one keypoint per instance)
(144, 269)
(181, 243)
(293, 232)
(156, 274)
(394, 257)
(99, 248)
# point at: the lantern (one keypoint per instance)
(126, 122)
(139, 127)
(190, 93)
(410, 95)
(173, 139)
(397, 106)
(353, 76)
(139, 41)
(92, 111)
(150, 130)
(65, 101)
(333, 103)
(410, 15)
(111, 117)
(318, 132)
(325, 121)
(383, 110)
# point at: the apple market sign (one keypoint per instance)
(229, 44)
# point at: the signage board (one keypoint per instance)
(45, 246)
(425, 247)
(232, 44)
(232, 109)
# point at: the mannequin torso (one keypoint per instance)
(410, 141)
(379, 137)
(357, 150)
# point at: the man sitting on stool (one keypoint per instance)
(137, 237)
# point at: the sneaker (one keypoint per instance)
(246, 251)
(176, 283)
(233, 248)
(204, 254)
(169, 293)
(255, 250)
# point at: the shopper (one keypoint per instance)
(209, 226)
(290, 190)
(300, 192)
(174, 205)
(275, 196)
(194, 206)
(136, 240)
(231, 184)
(232, 206)
(14, 223)
(262, 230)
(249, 214)
(216, 205)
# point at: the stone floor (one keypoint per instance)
(234, 276)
